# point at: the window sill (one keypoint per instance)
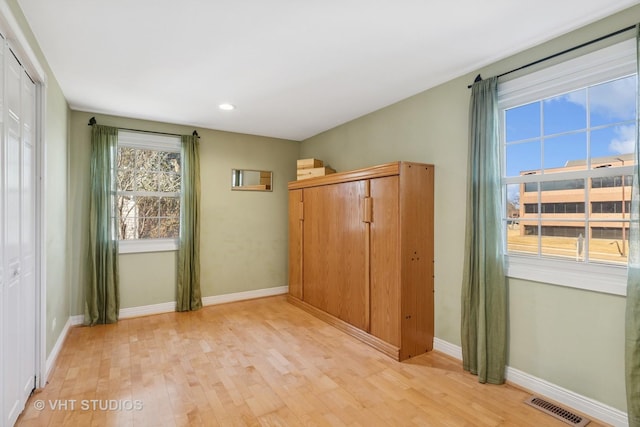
(608, 279)
(147, 245)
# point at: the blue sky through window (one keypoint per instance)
(549, 133)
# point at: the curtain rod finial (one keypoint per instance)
(476, 80)
(195, 133)
(92, 121)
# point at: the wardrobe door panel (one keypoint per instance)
(334, 250)
(385, 260)
(295, 243)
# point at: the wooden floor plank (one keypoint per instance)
(262, 362)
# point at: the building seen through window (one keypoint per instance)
(568, 173)
(560, 212)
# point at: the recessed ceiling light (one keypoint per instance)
(227, 107)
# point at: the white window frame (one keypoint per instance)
(603, 65)
(157, 142)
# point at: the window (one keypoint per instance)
(148, 199)
(568, 138)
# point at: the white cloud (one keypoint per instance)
(625, 140)
(614, 100)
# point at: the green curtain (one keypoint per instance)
(484, 293)
(632, 315)
(102, 299)
(189, 297)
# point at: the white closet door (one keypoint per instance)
(27, 323)
(3, 299)
(19, 251)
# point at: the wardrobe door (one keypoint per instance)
(385, 260)
(334, 250)
(295, 243)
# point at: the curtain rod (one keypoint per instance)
(92, 121)
(571, 49)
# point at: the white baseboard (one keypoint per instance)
(129, 312)
(587, 406)
(147, 310)
(77, 320)
(241, 296)
(447, 348)
(55, 352)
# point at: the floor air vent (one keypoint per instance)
(557, 411)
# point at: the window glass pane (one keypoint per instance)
(561, 199)
(522, 237)
(607, 244)
(610, 208)
(169, 228)
(612, 146)
(513, 201)
(126, 158)
(147, 206)
(147, 228)
(170, 207)
(523, 122)
(169, 162)
(126, 214)
(153, 173)
(565, 112)
(529, 200)
(566, 152)
(613, 101)
(168, 182)
(125, 180)
(147, 160)
(522, 233)
(146, 181)
(528, 196)
(562, 239)
(523, 158)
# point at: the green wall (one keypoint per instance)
(243, 233)
(569, 337)
(58, 287)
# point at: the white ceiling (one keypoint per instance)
(293, 68)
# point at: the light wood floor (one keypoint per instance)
(259, 362)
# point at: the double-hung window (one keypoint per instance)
(568, 138)
(148, 198)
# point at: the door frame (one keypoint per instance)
(19, 44)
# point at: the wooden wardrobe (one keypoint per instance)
(361, 254)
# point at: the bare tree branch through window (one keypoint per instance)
(148, 202)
